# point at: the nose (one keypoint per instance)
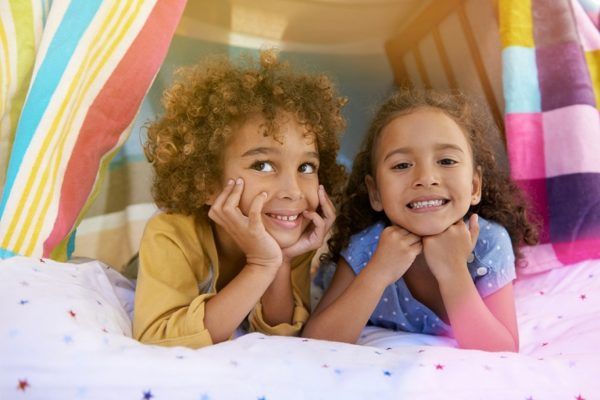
(425, 176)
(288, 187)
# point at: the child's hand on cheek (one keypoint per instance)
(314, 235)
(395, 253)
(447, 252)
(248, 232)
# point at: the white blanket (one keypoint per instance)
(65, 333)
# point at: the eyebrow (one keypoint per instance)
(438, 147)
(269, 150)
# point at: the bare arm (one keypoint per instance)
(278, 301)
(487, 324)
(346, 306)
(350, 300)
(477, 324)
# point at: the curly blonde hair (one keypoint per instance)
(501, 200)
(209, 100)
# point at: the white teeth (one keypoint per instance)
(428, 203)
(285, 217)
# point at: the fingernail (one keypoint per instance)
(239, 181)
(321, 188)
(230, 182)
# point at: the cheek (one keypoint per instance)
(312, 197)
(248, 195)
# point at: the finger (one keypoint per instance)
(218, 204)
(474, 228)
(326, 204)
(231, 205)
(215, 210)
(320, 226)
(255, 212)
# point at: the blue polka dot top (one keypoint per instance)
(491, 265)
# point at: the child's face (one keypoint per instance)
(424, 175)
(286, 171)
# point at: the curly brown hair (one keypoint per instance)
(209, 100)
(501, 199)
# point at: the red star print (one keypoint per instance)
(579, 397)
(544, 344)
(23, 384)
(582, 297)
(541, 292)
(439, 366)
(325, 366)
(42, 261)
(72, 313)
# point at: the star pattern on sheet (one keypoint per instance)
(23, 302)
(439, 366)
(23, 385)
(583, 296)
(147, 395)
(72, 314)
(387, 373)
(579, 397)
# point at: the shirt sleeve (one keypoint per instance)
(169, 309)
(495, 266)
(301, 294)
(362, 246)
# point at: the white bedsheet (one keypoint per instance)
(65, 334)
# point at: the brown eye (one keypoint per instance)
(263, 166)
(307, 168)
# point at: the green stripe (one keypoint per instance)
(22, 15)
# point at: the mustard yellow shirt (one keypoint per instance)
(178, 272)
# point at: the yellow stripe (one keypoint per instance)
(88, 60)
(593, 63)
(121, 33)
(516, 26)
(4, 66)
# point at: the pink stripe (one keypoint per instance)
(579, 250)
(571, 140)
(525, 140)
(111, 113)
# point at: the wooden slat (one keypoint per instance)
(479, 65)
(441, 49)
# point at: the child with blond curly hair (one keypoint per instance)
(243, 158)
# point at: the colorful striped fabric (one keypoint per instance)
(95, 63)
(551, 77)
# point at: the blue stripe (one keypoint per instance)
(74, 24)
(6, 254)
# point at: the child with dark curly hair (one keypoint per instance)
(428, 230)
(244, 158)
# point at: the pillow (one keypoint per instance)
(94, 65)
(552, 87)
(64, 297)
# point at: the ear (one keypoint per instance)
(374, 196)
(477, 186)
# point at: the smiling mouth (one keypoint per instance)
(289, 218)
(418, 205)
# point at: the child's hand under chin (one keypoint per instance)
(248, 232)
(314, 235)
(447, 252)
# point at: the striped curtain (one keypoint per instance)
(551, 74)
(72, 77)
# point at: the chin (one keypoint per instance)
(427, 231)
